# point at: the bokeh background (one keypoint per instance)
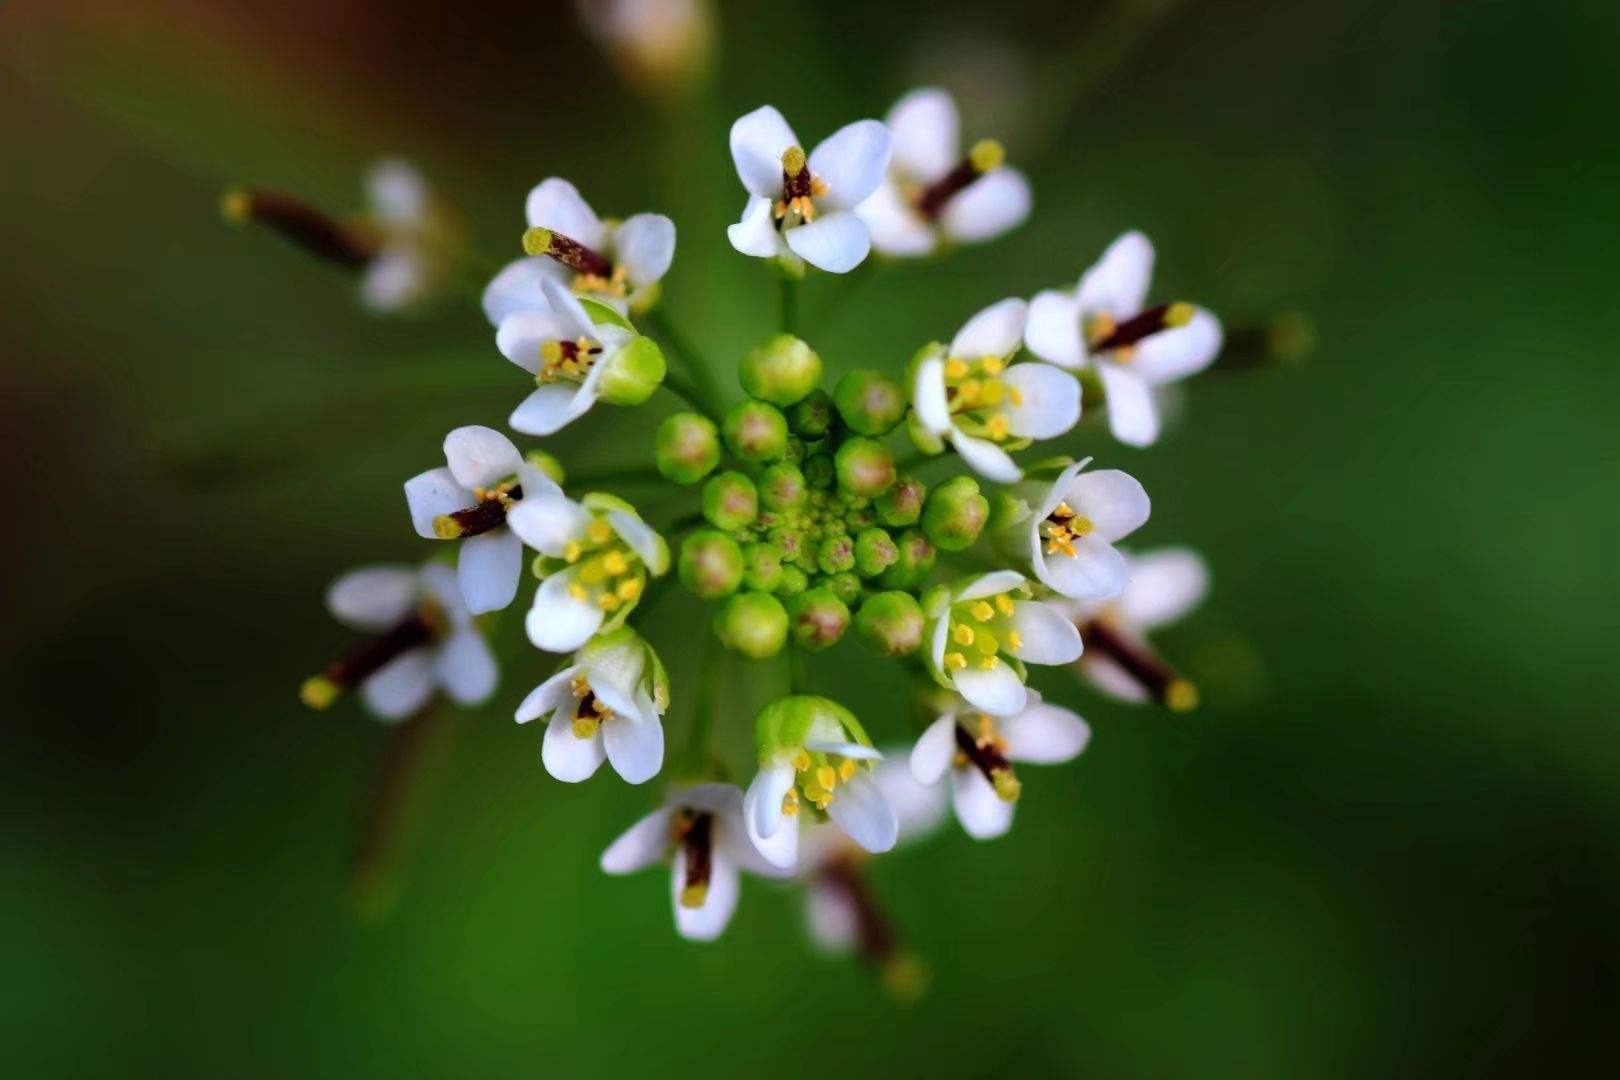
(1389, 844)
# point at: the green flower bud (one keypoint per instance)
(788, 723)
(902, 504)
(860, 517)
(875, 552)
(782, 486)
(634, 374)
(790, 542)
(865, 468)
(762, 567)
(816, 618)
(792, 582)
(756, 431)
(846, 586)
(687, 447)
(892, 623)
(870, 402)
(730, 501)
(782, 370)
(812, 417)
(753, 623)
(955, 513)
(547, 464)
(796, 450)
(835, 553)
(711, 564)
(914, 564)
(819, 472)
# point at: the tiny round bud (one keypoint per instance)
(865, 468)
(792, 582)
(756, 431)
(782, 370)
(730, 501)
(686, 447)
(762, 567)
(955, 513)
(782, 486)
(891, 622)
(547, 464)
(817, 618)
(796, 450)
(819, 472)
(914, 564)
(636, 371)
(869, 401)
(711, 564)
(812, 417)
(753, 623)
(790, 542)
(875, 552)
(902, 504)
(836, 553)
(846, 586)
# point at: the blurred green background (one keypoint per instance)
(1389, 844)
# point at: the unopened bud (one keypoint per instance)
(902, 504)
(634, 373)
(817, 618)
(870, 402)
(914, 564)
(836, 553)
(865, 468)
(792, 582)
(753, 623)
(782, 486)
(781, 371)
(762, 567)
(819, 472)
(812, 417)
(756, 431)
(891, 622)
(955, 513)
(711, 564)
(875, 552)
(730, 501)
(846, 586)
(548, 465)
(686, 447)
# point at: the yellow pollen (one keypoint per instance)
(617, 285)
(580, 686)
(1179, 313)
(987, 154)
(992, 365)
(827, 777)
(599, 531)
(1015, 395)
(955, 661)
(584, 727)
(1014, 642)
(790, 802)
(956, 369)
(818, 186)
(968, 392)
(963, 634)
(446, 527)
(983, 611)
(988, 663)
(572, 551)
(536, 241)
(1004, 602)
(609, 601)
(793, 161)
(801, 761)
(996, 427)
(551, 353)
(576, 590)
(993, 392)
(986, 643)
(846, 769)
(629, 589)
(614, 563)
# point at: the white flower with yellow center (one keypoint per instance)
(607, 705)
(617, 263)
(469, 501)
(982, 633)
(969, 395)
(980, 750)
(700, 830)
(1104, 323)
(933, 193)
(815, 762)
(423, 641)
(1070, 535)
(597, 555)
(1119, 660)
(804, 206)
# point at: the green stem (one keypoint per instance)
(798, 682)
(790, 304)
(682, 349)
(690, 394)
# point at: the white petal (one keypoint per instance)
(1046, 636)
(556, 204)
(635, 747)
(521, 335)
(1113, 501)
(643, 540)
(984, 814)
(1053, 329)
(724, 800)
(1112, 679)
(545, 699)
(433, 493)
(934, 750)
(488, 567)
(755, 232)
(645, 246)
(997, 691)
(994, 331)
(552, 407)
(373, 597)
(866, 817)
(440, 582)
(926, 135)
(394, 279)
(397, 193)
(479, 456)
(641, 845)
(401, 687)
(517, 288)
(1044, 735)
(837, 241)
(568, 757)
(1175, 354)
(852, 750)
(1049, 401)
(1118, 282)
(548, 522)
(986, 458)
(894, 225)
(831, 919)
(567, 305)
(997, 581)
(558, 622)
(919, 808)
(851, 160)
(709, 921)
(1164, 586)
(1096, 571)
(773, 833)
(928, 397)
(535, 482)
(758, 141)
(466, 668)
(1133, 416)
(993, 204)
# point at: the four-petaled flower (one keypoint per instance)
(1070, 535)
(606, 704)
(1103, 322)
(1164, 586)
(983, 631)
(700, 828)
(980, 750)
(931, 191)
(469, 501)
(805, 206)
(967, 394)
(424, 641)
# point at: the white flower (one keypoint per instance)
(661, 46)
(976, 627)
(606, 704)
(1070, 536)
(814, 751)
(800, 206)
(701, 829)
(602, 552)
(424, 641)
(967, 394)
(470, 501)
(403, 213)
(1164, 586)
(619, 264)
(931, 191)
(979, 751)
(1103, 323)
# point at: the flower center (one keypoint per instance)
(590, 712)
(977, 395)
(610, 573)
(1062, 528)
(567, 360)
(986, 155)
(800, 189)
(1144, 666)
(694, 831)
(979, 744)
(979, 629)
(489, 512)
(1104, 334)
(423, 626)
(818, 777)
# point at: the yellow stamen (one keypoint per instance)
(986, 643)
(962, 634)
(614, 563)
(983, 611)
(955, 661)
(609, 601)
(576, 590)
(827, 777)
(956, 369)
(1004, 603)
(790, 802)
(846, 769)
(629, 589)
(989, 663)
(801, 761)
(572, 552)
(992, 365)
(1015, 395)
(996, 427)
(599, 531)
(1014, 641)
